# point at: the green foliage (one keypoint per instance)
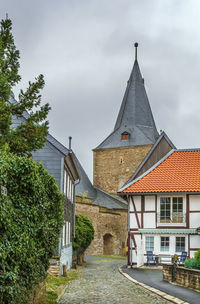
(192, 263)
(197, 255)
(84, 233)
(31, 218)
(31, 135)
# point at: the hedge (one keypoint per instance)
(31, 218)
(193, 263)
(84, 233)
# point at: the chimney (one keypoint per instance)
(70, 142)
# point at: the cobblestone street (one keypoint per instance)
(101, 283)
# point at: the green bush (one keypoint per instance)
(84, 233)
(31, 218)
(197, 255)
(192, 263)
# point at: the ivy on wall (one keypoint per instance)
(31, 218)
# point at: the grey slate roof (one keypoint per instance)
(135, 116)
(84, 183)
(57, 145)
(100, 197)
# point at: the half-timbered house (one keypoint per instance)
(164, 208)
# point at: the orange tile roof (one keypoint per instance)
(179, 172)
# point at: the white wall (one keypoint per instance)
(133, 221)
(66, 258)
(194, 243)
(194, 219)
(140, 252)
(195, 203)
(133, 257)
(149, 204)
(149, 220)
(137, 201)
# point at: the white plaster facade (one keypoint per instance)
(148, 226)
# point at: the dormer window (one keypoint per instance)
(125, 136)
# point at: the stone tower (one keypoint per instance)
(119, 155)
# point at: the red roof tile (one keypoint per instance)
(179, 172)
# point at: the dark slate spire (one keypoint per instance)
(135, 117)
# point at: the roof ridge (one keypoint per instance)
(187, 150)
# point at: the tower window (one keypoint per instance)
(125, 136)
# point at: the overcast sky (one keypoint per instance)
(85, 50)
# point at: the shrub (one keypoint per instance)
(84, 234)
(197, 255)
(192, 263)
(31, 218)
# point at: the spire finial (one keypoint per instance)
(135, 45)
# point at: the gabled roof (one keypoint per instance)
(162, 135)
(84, 182)
(100, 197)
(135, 116)
(57, 145)
(178, 171)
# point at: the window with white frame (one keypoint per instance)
(180, 243)
(171, 210)
(65, 182)
(68, 187)
(149, 243)
(164, 243)
(66, 237)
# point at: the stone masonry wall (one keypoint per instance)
(113, 167)
(185, 277)
(105, 221)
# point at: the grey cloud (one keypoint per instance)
(85, 50)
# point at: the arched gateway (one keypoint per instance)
(108, 244)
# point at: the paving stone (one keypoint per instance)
(101, 283)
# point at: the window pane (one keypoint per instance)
(180, 244)
(164, 243)
(149, 245)
(180, 200)
(165, 209)
(177, 216)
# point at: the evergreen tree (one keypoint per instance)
(31, 134)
